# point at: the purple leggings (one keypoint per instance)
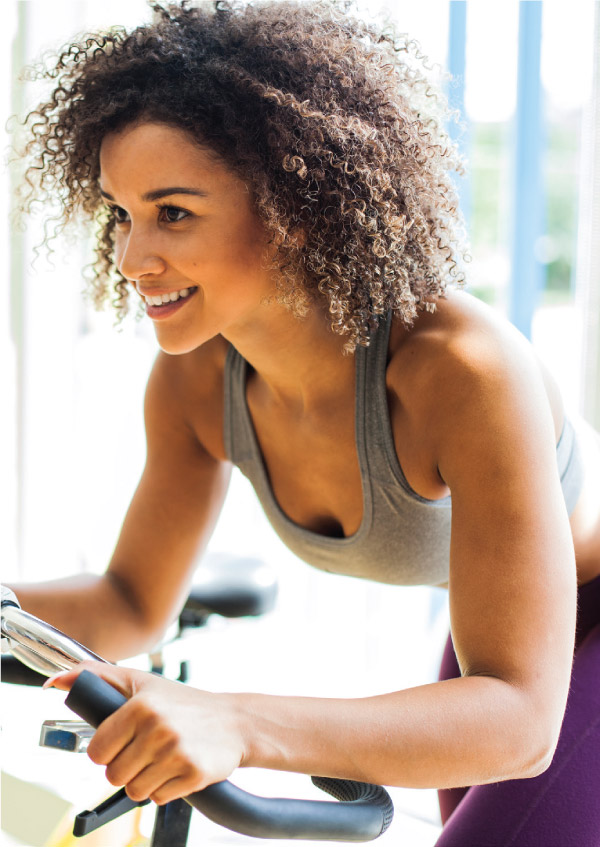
(561, 807)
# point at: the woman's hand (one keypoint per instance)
(168, 740)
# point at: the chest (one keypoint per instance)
(317, 468)
(312, 465)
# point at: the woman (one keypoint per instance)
(271, 185)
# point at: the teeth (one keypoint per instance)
(161, 299)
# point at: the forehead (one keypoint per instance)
(148, 156)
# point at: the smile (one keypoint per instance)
(172, 297)
(161, 306)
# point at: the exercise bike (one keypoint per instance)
(233, 588)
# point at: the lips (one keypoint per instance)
(158, 298)
(159, 306)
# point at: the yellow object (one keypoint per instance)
(122, 832)
(35, 816)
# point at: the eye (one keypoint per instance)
(119, 214)
(173, 214)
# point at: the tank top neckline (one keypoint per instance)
(403, 538)
(360, 373)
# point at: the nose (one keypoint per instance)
(136, 255)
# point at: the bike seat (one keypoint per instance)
(230, 586)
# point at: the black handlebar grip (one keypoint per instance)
(93, 699)
(363, 818)
(15, 672)
(365, 811)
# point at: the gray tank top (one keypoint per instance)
(404, 539)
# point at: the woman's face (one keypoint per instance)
(186, 233)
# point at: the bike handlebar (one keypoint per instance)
(38, 644)
(365, 812)
(13, 671)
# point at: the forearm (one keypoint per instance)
(465, 731)
(92, 609)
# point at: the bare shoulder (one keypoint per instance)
(461, 329)
(461, 346)
(186, 392)
(456, 368)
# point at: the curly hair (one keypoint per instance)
(330, 120)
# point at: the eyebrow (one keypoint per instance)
(158, 193)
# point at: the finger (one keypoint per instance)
(176, 788)
(149, 745)
(137, 719)
(125, 680)
(59, 681)
(113, 736)
(162, 786)
(65, 679)
(145, 783)
(126, 765)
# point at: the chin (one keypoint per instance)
(178, 346)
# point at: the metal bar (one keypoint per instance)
(456, 63)
(16, 289)
(588, 247)
(527, 273)
(171, 824)
(72, 736)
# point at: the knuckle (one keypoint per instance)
(197, 782)
(149, 718)
(202, 783)
(113, 776)
(142, 707)
(194, 777)
(192, 773)
(135, 793)
(152, 721)
(161, 798)
(96, 753)
(168, 738)
(166, 744)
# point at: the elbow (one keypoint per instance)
(538, 720)
(527, 726)
(538, 746)
(532, 738)
(545, 724)
(130, 627)
(526, 762)
(541, 761)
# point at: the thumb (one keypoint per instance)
(125, 680)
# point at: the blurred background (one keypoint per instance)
(526, 87)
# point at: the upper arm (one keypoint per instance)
(512, 582)
(176, 503)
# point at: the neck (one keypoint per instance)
(299, 362)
